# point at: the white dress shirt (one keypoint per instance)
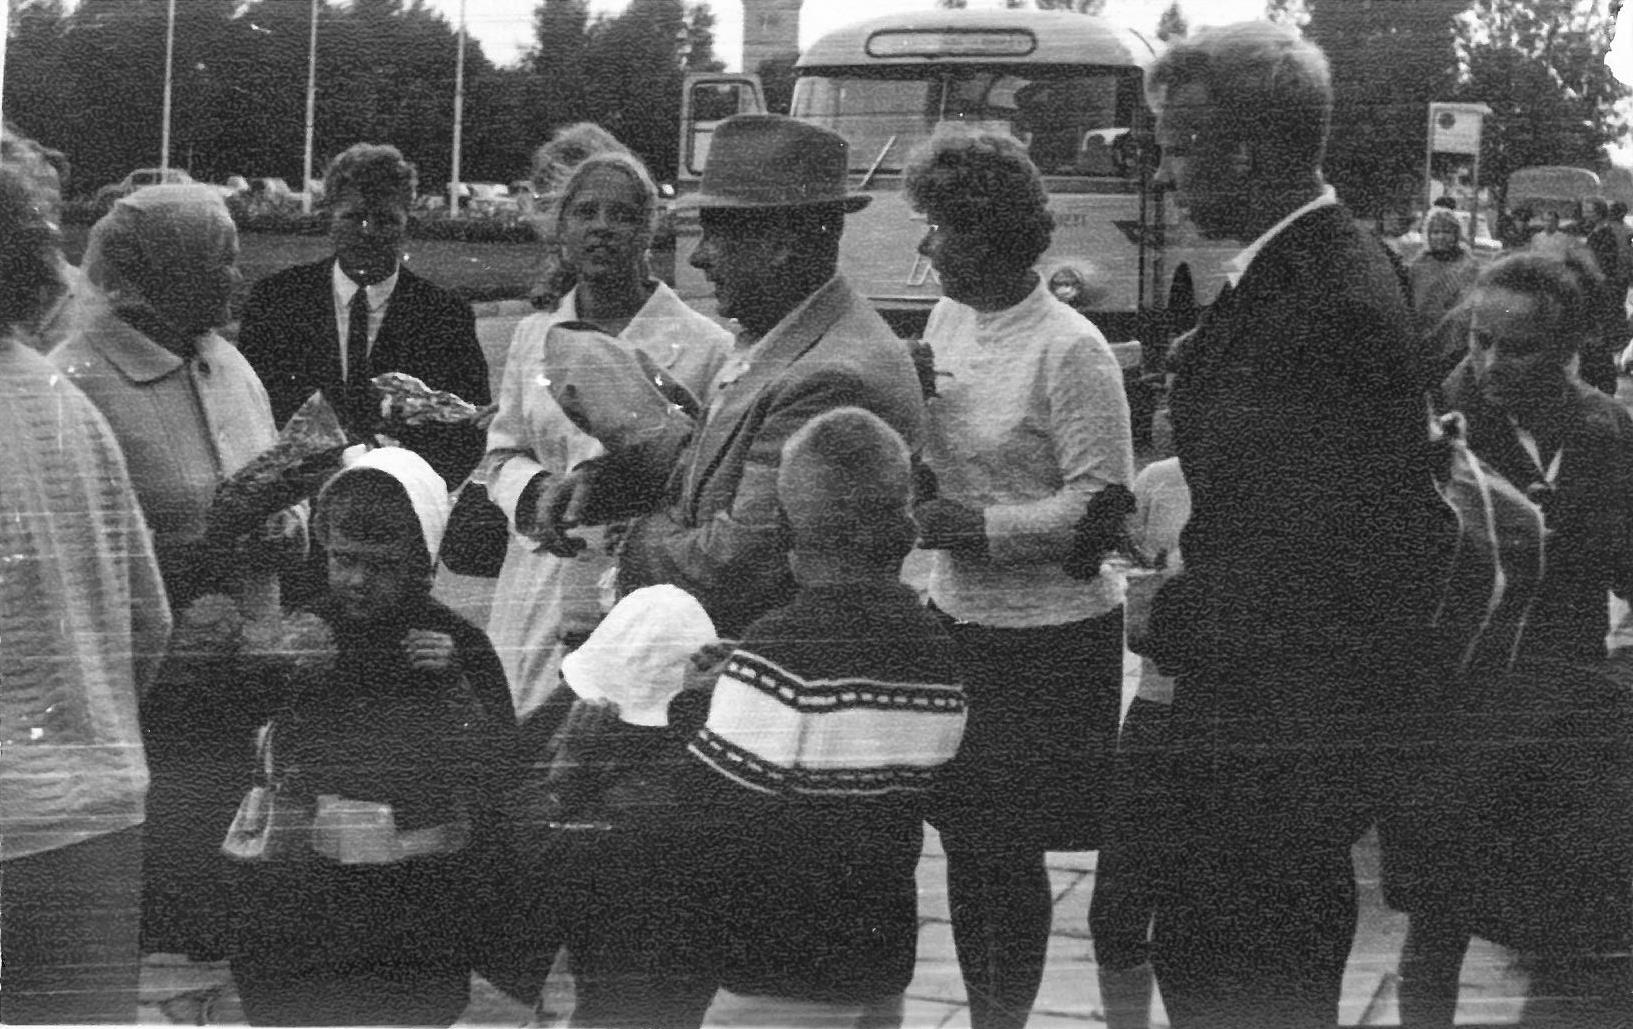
(345, 288)
(1236, 267)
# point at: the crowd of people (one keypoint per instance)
(699, 739)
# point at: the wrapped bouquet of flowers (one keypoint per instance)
(407, 401)
(306, 454)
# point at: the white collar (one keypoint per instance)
(1236, 267)
(345, 287)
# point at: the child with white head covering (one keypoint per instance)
(398, 743)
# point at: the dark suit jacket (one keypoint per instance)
(288, 335)
(1300, 422)
(1589, 547)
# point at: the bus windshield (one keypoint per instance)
(1074, 120)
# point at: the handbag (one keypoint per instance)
(1490, 581)
(269, 825)
(478, 534)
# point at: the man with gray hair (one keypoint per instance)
(1296, 628)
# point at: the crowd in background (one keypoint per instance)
(699, 738)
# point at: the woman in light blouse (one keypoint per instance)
(547, 597)
(1030, 422)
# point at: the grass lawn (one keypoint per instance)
(476, 271)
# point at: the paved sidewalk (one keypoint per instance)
(175, 991)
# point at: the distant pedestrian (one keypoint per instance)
(1443, 273)
(1030, 423)
(1551, 240)
(84, 618)
(1607, 296)
(1297, 629)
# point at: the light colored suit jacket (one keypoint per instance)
(719, 534)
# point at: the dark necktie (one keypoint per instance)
(359, 394)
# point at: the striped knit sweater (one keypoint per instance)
(83, 617)
(822, 735)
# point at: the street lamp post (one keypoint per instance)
(311, 102)
(169, 64)
(459, 114)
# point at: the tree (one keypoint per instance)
(700, 22)
(560, 28)
(1390, 59)
(1540, 66)
(1172, 24)
(1288, 12)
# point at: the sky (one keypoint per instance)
(505, 27)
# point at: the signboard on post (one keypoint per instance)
(1455, 129)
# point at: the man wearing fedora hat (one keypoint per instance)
(772, 204)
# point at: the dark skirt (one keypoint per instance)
(1035, 765)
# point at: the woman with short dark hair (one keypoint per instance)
(1029, 424)
(1570, 447)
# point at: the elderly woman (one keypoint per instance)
(547, 599)
(84, 620)
(187, 411)
(1030, 423)
(1570, 447)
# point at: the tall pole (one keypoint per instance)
(311, 105)
(5, 33)
(459, 115)
(169, 63)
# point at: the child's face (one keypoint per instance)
(370, 582)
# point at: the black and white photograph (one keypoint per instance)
(816, 514)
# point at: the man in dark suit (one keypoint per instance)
(1296, 627)
(772, 204)
(334, 324)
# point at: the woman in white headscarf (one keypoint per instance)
(187, 410)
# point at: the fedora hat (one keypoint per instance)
(766, 161)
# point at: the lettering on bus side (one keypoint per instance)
(921, 272)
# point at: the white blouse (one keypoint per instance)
(1031, 421)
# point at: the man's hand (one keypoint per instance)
(948, 525)
(557, 511)
(431, 652)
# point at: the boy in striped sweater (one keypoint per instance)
(824, 730)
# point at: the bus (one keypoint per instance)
(1069, 86)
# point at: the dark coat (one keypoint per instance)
(288, 335)
(1299, 420)
(373, 729)
(1589, 550)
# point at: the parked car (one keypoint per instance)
(136, 180)
(488, 199)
